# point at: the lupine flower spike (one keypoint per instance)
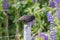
(52, 30)
(52, 3)
(5, 4)
(44, 36)
(34, 1)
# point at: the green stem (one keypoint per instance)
(17, 31)
(17, 25)
(0, 31)
(6, 28)
(59, 22)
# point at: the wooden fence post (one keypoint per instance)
(27, 32)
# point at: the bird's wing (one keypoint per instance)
(25, 17)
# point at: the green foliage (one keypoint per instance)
(20, 8)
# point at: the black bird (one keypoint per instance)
(27, 18)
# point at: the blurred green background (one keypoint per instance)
(18, 8)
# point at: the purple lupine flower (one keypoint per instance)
(58, 9)
(5, 4)
(57, 1)
(34, 1)
(52, 34)
(49, 16)
(52, 31)
(52, 4)
(58, 14)
(44, 36)
(51, 23)
(6, 7)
